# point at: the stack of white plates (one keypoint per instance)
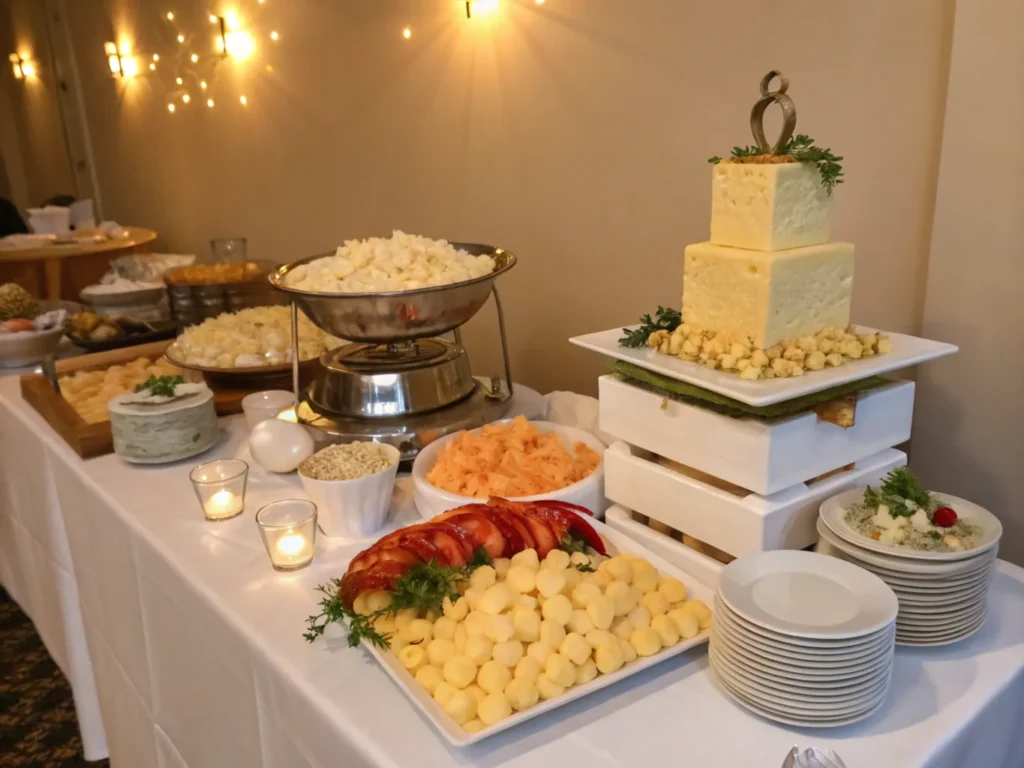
(943, 595)
(802, 638)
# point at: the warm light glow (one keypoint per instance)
(170, 16)
(170, 107)
(269, 68)
(152, 67)
(115, 64)
(28, 68)
(274, 36)
(129, 66)
(202, 84)
(239, 44)
(213, 19)
(186, 98)
(181, 38)
(194, 57)
(482, 7)
(209, 102)
(16, 67)
(126, 48)
(406, 33)
(243, 100)
(231, 18)
(291, 544)
(110, 49)
(222, 504)
(156, 57)
(178, 80)
(540, 2)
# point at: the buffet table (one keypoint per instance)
(196, 645)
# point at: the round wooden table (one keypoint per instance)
(61, 271)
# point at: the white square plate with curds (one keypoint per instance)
(906, 351)
(616, 543)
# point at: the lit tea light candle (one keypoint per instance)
(222, 504)
(220, 487)
(288, 528)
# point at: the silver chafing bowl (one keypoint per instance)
(378, 318)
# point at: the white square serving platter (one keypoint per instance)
(907, 351)
(455, 734)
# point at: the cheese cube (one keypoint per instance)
(768, 296)
(768, 207)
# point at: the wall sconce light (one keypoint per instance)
(121, 62)
(480, 7)
(22, 66)
(233, 41)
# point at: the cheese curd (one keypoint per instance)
(527, 630)
(399, 263)
(249, 338)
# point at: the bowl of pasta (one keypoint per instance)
(514, 459)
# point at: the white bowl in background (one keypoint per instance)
(28, 347)
(588, 492)
(357, 508)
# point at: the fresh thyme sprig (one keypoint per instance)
(572, 545)
(423, 587)
(663, 320)
(802, 148)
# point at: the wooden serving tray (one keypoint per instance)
(88, 440)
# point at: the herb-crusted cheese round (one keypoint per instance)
(157, 433)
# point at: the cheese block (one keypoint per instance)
(770, 296)
(156, 433)
(768, 207)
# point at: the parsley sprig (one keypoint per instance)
(664, 320)
(572, 545)
(423, 587)
(161, 385)
(802, 148)
(897, 487)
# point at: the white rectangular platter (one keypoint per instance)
(455, 734)
(907, 351)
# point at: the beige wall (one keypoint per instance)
(31, 130)
(969, 424)
(574, 133)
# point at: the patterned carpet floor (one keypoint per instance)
(38, 728)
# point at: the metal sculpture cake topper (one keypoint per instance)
(788, 113)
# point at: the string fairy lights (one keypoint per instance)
(190, 68)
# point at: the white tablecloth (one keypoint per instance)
(197, 648)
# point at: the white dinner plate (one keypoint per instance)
(934, 641)
(829, 672)
(798, 704)
(934, 593)
(904, 567)
(833, 512)
(458, 736)
(788, 718)
(815, 657)
(955, 608)
(807, 595)
(907, 351)
(796, 684)
(939, 623)
(749, 630)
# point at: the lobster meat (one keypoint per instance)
(501, 527)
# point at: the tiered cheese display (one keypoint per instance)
(740, 413)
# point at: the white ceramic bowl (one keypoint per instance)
(588, 492)
(354, 509)
(28, 347)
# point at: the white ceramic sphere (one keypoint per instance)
(280, 446)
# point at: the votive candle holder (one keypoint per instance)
(288, 529)
(220, 487)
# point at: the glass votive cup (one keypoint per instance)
(260, 406)
(288, 528)
(228, 249)
(220, 487)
